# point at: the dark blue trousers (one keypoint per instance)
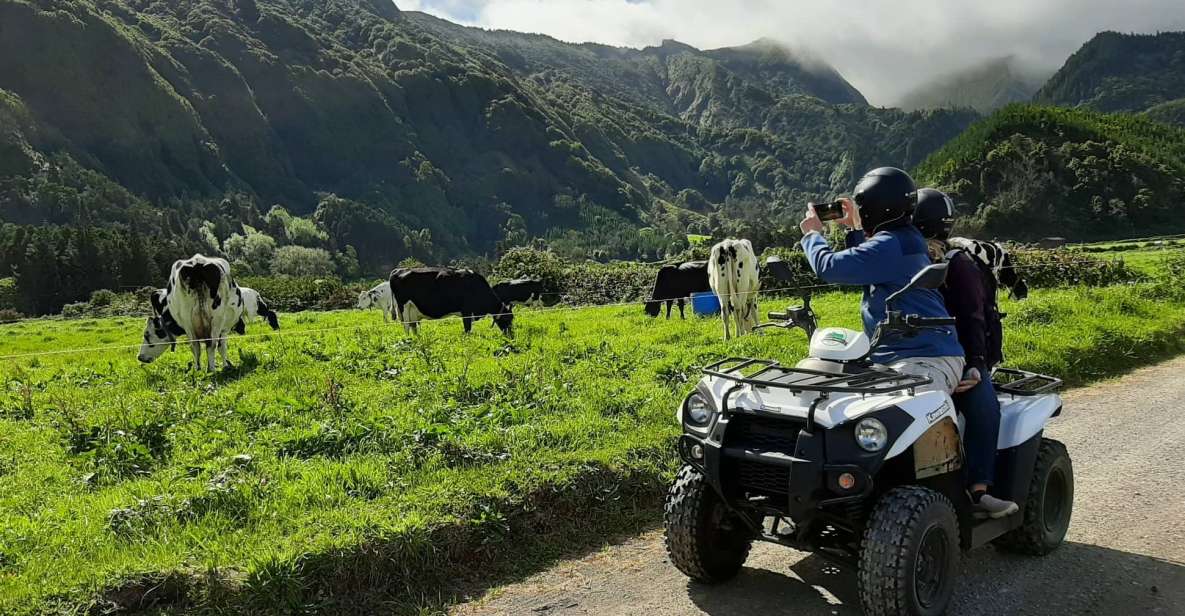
(981, 412)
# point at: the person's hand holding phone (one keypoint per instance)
(851, 214)
(811, 222)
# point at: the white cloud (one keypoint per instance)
(882, 47)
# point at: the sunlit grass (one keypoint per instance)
(342, 460)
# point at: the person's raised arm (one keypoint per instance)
(873, 261)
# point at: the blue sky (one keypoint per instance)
(885, 48)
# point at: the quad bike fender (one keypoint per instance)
(1023, 417)
(926, 409)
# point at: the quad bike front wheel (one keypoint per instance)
(909, 555)
(704, 540)
(1048, 505)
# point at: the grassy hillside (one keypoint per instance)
(1120, 72)
(984, 88)
(345, 466)
(1028, 172)
(384, 136)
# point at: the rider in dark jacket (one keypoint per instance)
(970, 297)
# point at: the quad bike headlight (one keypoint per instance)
(871, 434)
(696, 411)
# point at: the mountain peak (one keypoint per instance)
(984, 87)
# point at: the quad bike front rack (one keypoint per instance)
(771, 374)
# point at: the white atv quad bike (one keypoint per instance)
(844, 458)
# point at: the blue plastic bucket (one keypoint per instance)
(705, 303)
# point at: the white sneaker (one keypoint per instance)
(996, 508)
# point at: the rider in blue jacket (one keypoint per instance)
(884, 252)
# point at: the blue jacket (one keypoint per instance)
(883, 265)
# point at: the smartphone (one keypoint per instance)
(829, 211)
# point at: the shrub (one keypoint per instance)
(76, 310)
(594, 283)
(103, 297)
(8, 315)
(302, 261)
(9, 295)
(251, 253)
(1059, 268)
(523, 262)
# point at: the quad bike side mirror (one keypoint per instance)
(931, 277)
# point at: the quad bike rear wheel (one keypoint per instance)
(909, 555)
(704, 539)
(1048, 505)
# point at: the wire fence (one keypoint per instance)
(356, 327)
(573, 307)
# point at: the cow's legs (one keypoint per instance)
(467, 322)
(724, 314)
(222, 350)
(211, 352)
(668, 305)
(402, 316)
(196, 347)
(682, 315)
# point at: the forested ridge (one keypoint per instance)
(342, 137)
(1030, 171)
(137, 131)
(1120, 72)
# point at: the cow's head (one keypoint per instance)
(157, 340)
(505, 320)
(653, 307)
(366, 299)
(1008, 277)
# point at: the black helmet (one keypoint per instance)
(935, 214)
(886, 198)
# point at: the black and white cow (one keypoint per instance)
(732, 273)
(525, 291)
(675, 283)
(435, 292)
(255, 308)
(993, 256)
(379, 296)
(201, 301)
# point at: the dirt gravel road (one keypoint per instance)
(1125, 553)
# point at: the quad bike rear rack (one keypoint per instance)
(1021, 383)
(771, 374)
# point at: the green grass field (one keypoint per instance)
(346, 465)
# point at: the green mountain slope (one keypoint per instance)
(175, 127)
(1172, 112)
(1028, 172)
(1120, 72)
(985, 87)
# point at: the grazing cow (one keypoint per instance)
(732, 273)
(993, 256)
(203, 302)
(675, 283)
(254, 308)
(379, 296)
(525, 291)
(435, 292)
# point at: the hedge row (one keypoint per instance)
(593, 283)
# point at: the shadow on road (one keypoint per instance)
(1076, 579)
